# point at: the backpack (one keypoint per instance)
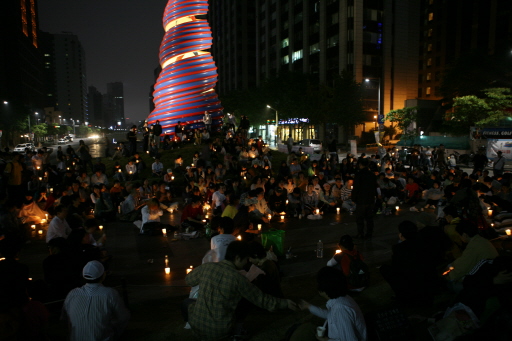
(359, 275)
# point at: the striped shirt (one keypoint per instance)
(344, 319)
(221, 287)
(95, 313)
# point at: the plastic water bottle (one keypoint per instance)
(320, 249)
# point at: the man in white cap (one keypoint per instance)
(93, 311)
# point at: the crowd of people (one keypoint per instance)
(234, 175)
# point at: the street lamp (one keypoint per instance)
(74, 128)
(380, 117)
(5, 102)
(277, 120)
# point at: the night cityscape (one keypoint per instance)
(255, 170)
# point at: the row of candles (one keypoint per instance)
(167, 269)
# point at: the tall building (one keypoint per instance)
(376, 40)
(233, 26)
(95, 107)
(451, 29)
(21, 67)
(114, 116)
(64, 60)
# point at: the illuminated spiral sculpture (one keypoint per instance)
(185, 87)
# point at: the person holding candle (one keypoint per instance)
(58, 226)
(157, 168)
(309, 201)
(131, 170)
(343, 261)
(192, 214)
(221, 287)
(151, 214)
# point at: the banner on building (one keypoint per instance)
(495, 145)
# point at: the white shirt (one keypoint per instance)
(95, 313)
(217, 199)
(57, 228)
(150, 216)
(344, 318)
(131, 168)
(220, 243)
(102, 179)
(157, 167)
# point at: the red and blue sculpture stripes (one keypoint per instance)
(185, 87)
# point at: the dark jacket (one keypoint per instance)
(157, 129)
(365, 187)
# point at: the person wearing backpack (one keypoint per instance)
(350, 262)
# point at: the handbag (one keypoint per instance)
(274, 238)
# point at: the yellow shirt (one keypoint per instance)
(230, 211)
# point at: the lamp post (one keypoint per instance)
(37, 117)
(380, 117)
(74, 128)
(277, 120)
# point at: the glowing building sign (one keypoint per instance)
(185, 88)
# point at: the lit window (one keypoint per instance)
(430, 16)
(429, 47)
(427, 91)
(285, 42)
(285, 60)
(429, 76)
(429, 62)
(332, 41)
(296, 55)
(46, 55)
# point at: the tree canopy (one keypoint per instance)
(405, 119)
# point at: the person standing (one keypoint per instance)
(363, 195)
(499, 164)
(178, 132)
(85, 156)
(441, 157)
(95, 312)
(14, 171)
(145, 134)
(207, 120)
(289, 143)
(479, 161)
(132, 139)
(157, 132)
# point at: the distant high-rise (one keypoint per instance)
(375, 40)
(233, 26)
(115, 102)
(21, 66)
(95, 107)
(64, 60)
(451, 29)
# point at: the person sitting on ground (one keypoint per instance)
(58, 226)
(168, 177)
(261, 209)
(212, 316)
(327, 198)
(158, 168)
(404, 275)
(342, 260)
(277, 201)
(270, 280)
(192, 214)
(344, 318)
(220, 242)
(95, 312)
(477, 249)
(433, 195)
(130, 207)
(412, 190)
(151, 214)
(309, 201)
(99, 178)
(231, 209)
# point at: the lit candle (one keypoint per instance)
(282, 217)
(147, 151)
(287, 202)
(43, 221)
(204, 221)
(489, 212)
(119, 170)
(259, 227)
(40, 179)
(397, 208)
(206, 216)
(67, 168)
(337, 210)
(508, 232)
(189, 270)
(46, 216)
(171, 210)
(137, 161)
(172, 178)
(167, 271)
(38, 168)
(164, 232)
(269, 216)
(119, 209)
(51, 190)
(192, 165)
(40, 232)
(239, 237)
(100, 227)
(338, 251)
(317, 211)
(131, 172)
(245, 178)
(33, 227)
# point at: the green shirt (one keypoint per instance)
(221, 287)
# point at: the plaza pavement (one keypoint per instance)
(154, 297)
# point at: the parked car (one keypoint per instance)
(315, 144)
(22, 146)
(62, 141)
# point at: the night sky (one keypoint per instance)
(121, 39)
